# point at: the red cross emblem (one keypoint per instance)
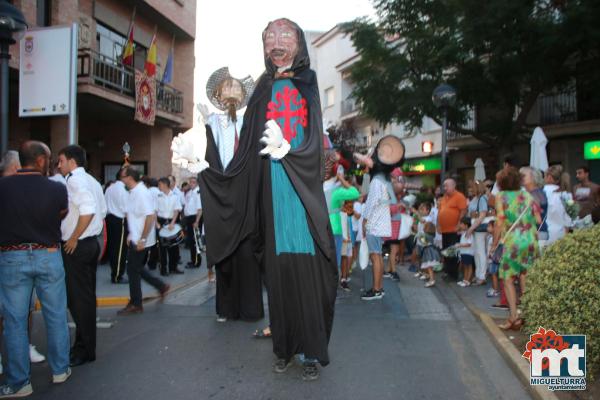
(286, 99)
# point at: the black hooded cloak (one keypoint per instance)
(301, 287)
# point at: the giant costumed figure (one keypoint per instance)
(299, 253)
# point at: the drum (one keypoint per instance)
(170, 238)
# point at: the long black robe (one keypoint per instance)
(230, 211)
(301, 287)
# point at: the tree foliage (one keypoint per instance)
(500, 55)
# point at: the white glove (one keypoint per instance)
(189, 149)
(275, 145)
(204, 113)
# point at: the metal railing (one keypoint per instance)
(470, 125)
(558, 107)
(349, 106)
(108, 73)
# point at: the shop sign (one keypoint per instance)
(422, 166)
(591, 150)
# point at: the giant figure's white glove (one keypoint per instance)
(204, 113)
(275, 145)
(189, 149)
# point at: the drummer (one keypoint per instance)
(169, 207)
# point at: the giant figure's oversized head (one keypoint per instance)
(280, 41)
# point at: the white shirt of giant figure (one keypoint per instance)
(224, 131)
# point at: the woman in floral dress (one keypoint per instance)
(517, 216)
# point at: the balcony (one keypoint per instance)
(565, 106)
(349, 106)
(101, 71)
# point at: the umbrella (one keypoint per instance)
(479, 170)
(538, 157)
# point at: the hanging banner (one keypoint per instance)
(145, 98)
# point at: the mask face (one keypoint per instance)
(231, 92)
(280, 42)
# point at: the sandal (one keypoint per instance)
(260, 334)
(511, 325)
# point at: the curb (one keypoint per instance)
(116, 301)
(509, 352)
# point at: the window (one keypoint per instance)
(43, 12)
(329, 96)
(111, 43)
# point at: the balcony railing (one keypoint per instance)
(470, 125)
(108, 73)
(349, 106)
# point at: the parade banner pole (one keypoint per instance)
(73, 86)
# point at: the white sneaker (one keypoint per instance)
(221, 319)
(60, 378)
(429, 284)
(6, 392)
(34, 355)
(423, 277)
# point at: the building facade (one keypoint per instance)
(106, 89)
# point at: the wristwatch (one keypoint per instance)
(143, 240)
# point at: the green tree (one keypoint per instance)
(500, 55)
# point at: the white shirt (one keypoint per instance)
(116, 197)
(139, 206)
(358, 209)
(377, 210)
(154, 191)
(468, 250)
(168, 204)
(556, 218)
(192, 202)
(85, 198)
(224, 130)
(179, 194)
(58, 178)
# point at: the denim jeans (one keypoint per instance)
(20, 272)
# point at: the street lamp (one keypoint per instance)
(12, 23)
(444, 96)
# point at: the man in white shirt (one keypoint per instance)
(153, 254)
(142, 235)
(169, 207)
(192, 212)
(80, 249)
(173, 185)
(116, 229)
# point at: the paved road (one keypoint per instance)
(415, 344)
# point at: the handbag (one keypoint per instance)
(405, 226)
(482, 227)
(363, 255)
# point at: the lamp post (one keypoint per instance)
(12, 23)
(444, 96)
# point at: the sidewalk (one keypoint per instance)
(111, 295)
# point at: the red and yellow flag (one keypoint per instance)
(150, 66)
(128, 49)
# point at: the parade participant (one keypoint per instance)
(154, 252)
(377, 222)
(301, 272)
(140, 222)
(31, 208)
(116, 229)
(557, 219)
(234, 255)
(10, 163)
(169, 207)
(179, 192)
(192, 217)
(585, 192)
(80, 250)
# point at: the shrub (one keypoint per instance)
(563, 291)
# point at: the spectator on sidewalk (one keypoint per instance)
(586, 192)
(80, 250)
(533, 181)
(31, 209)
(116, 229)
(557, 191)
(478, 210)
(516, 223)
(452, 208)
(142, 235)
(465, 248)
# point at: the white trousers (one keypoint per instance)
(480, 254)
